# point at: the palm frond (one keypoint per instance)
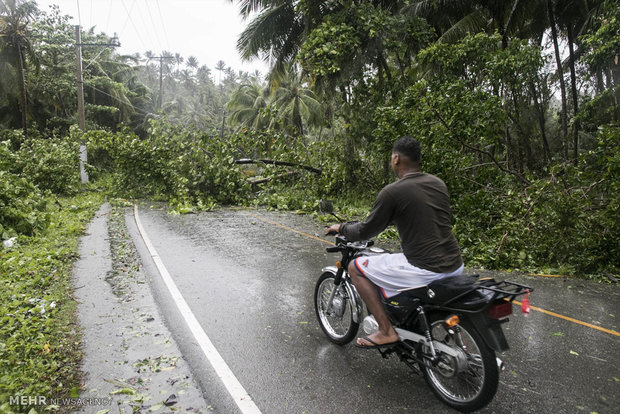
(473, 22)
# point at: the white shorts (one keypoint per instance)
(392, 273)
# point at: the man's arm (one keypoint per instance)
(378, 219)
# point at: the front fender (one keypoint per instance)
(356, 301)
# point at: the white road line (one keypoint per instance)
(234, 387)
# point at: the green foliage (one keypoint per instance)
(52, 164)
(39, 351)
(28, 175)
(604, 43)
(174, 163)
(22, 206)
(329, 48)
(566, 222)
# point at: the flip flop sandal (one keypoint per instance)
(374, 344)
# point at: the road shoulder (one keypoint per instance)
(130, 358)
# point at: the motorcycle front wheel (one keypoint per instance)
(336, 321)
(469, 381)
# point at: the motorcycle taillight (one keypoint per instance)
(500, 309)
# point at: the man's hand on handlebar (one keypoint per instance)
(333, 230)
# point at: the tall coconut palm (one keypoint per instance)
(192, 62)
(295, 103)
(15, 15)
(247, 105)
(220, 66)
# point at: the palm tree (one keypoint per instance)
(248, 103)
(295, 103)
(178, 59)
(278, 31)
(453, 20)
(220, 66)
(192, 62)
(256, 76)
(14, 42)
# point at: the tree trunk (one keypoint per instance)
(563, 117)
(22, 87)
(573, 82)
(600, 85)
(610, 85)
(541, 124)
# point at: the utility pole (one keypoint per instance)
(80, 94)
(80, 81)
(161, 77)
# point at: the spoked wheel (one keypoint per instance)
(337, 321)
(469, 381)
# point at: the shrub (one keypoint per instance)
(22, 206)
(52, 164)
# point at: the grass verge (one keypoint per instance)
(39, 337)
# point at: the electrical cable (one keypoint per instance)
(163, 26)
(135, 108)
(107, 23)
(93, 59)
(145, 25)
(148, 9)
(132, 22)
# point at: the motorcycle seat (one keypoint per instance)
(443, 290)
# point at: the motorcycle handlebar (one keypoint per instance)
(332, 249)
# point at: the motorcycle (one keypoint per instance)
(449, 331)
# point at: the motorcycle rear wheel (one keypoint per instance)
(338, 323)
(473, 384)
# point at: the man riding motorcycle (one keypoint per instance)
(418, 205)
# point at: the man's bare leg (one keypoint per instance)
(370, 295)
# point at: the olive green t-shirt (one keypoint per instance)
(419, 206)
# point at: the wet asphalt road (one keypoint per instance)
(250, 283)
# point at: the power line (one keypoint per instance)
(107, 23)
(135, 108)
(144, 23)
(132, 23)
(148, 9)
(163, 26)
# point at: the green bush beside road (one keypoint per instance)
(39, 337)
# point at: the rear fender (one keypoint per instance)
(356, 301)
(491, 331)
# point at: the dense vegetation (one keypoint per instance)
(515, 103)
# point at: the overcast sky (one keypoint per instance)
(206, 29)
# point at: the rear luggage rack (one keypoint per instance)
(491, 291)
(505, 289)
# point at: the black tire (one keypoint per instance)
(470, 387)
(338, 326)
